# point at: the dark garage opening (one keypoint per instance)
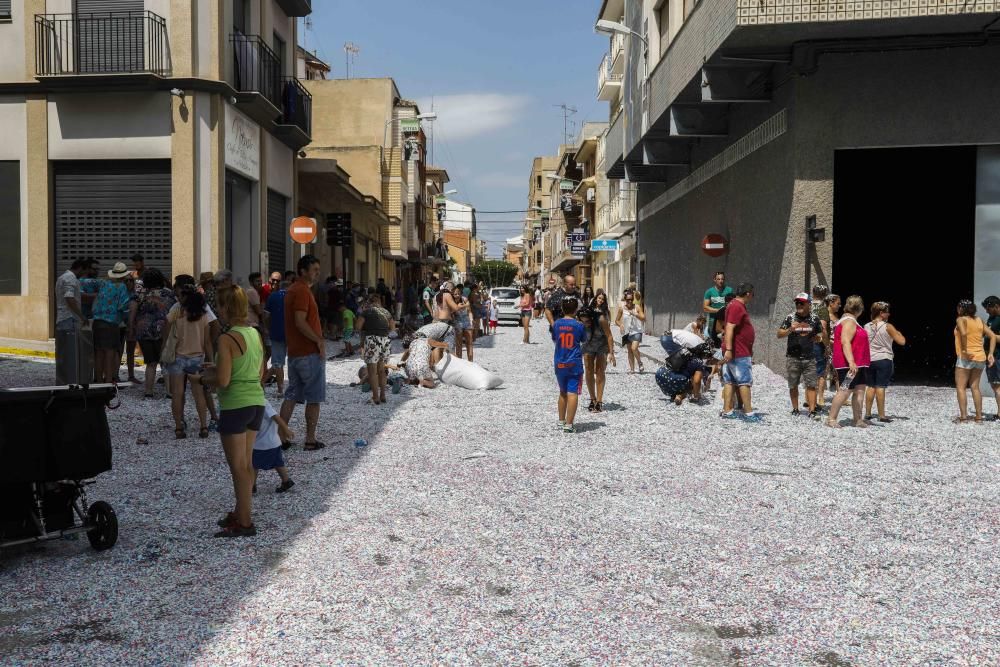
(904, 232)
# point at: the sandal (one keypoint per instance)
(285, 486)
(831, 424)
(203, 432)
(313, 446)
(180, 433)
(959, 420)
(599, 407)
(226, 520)
(236, 530)
(592, 406)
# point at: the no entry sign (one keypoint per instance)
(303, 229)
(715, 245)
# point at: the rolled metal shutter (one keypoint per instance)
(111, 209)
(111, 36)
(277, 231)
(5, 9)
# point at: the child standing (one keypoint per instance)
(568, 334)
(267, 448)
(348, 316)
(494, 313)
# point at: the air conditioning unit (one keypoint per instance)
(591, 194)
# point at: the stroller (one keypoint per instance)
(52, 440)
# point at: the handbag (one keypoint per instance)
(169, 352)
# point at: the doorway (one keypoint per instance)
(904, 232)
(242, 242)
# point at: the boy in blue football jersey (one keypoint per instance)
(568, 333)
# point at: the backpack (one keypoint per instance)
(679, 359)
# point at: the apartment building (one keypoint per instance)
(591, 193)
(536, 223)
(513, 252)
(458, 231)
(375, 136)
(161, 127)
(567, 216)
(815, 138)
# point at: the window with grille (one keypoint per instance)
(10, 225)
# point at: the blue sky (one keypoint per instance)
(495, 69)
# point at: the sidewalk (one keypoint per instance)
(28, 348)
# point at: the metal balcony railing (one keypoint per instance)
(621, 208)
(101, 43)
(256, 68)
(606, 75)
(617, 50)
(296, 105)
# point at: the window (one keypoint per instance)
(241, 16)
(279, 50)
(5, 10)
(538, 203)
(538, 182)
(10, 225)
(663, 17)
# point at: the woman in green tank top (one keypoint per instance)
(239, 367)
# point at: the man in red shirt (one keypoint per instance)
(737, 356)
(306, 351)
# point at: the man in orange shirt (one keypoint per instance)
(306, 351)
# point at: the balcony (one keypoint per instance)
(257, 77)
(618, 216)
(618, 54)
(296, 8)
(121, 45)
(294, 128)
(609, 84)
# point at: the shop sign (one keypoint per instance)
(577, 241)
(409, 125)
(242, 144)
(566, 185)
(604, 245)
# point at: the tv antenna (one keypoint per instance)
(567, 112)
(351, 50)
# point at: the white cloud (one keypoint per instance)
(473, 114)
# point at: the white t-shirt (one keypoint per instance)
(686, 338)
(67, 287)
(267, 437)
(253, 299)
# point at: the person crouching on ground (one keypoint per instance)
(568, 334)
(682, 371)
(239, 369)
(803, 330)
(851, 359)
(881, 336)
(972, 360)
(375, 323)
(267, 449)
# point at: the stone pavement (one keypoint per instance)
(472, 531)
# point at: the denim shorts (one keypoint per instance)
(186, 365)
(820, 360)
(880, 373)
(993, 374)
(279, 351)
(306, 379)
(635, 338)
(970, 365)
(739, 372)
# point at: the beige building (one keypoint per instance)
(374, 135)
(537, 220)
(161, 127)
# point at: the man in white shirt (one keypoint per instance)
(69, 320)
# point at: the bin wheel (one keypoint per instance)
(104, 533)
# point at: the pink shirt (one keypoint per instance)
(859, 346)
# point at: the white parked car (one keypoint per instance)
(508, 299)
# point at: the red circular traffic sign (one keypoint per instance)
(715, 245)
(303, 229)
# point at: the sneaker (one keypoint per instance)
(568, 428)
(796, 413)
(562, 424)
(732, 414)
(815, 414)
(236, 530)
(285, 486)
(753, 418)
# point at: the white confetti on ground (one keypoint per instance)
(471, 531)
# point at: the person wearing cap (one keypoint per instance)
(111, 306)
(803, 330)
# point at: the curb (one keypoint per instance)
(45, 354)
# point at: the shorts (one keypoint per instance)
(268, 459)
(801, 371)
(880, 373)
(348, 334)
(151, 348)
(279, 353)
(186, 365)
(739, 372)
(524, 313)
(493, 323)
(993, 374)
(970, 365)
(376, 349)
(238, 420)
(107, 336)
(821, 361)
(306, 379)
(860, 380)
(634, 337)
(570, 380)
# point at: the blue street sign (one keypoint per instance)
(598, 245)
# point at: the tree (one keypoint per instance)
(495, 273)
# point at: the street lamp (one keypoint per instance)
(612, 27)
